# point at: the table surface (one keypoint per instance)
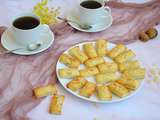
(145, 105)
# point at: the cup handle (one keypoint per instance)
(44, 29)
(107, 9)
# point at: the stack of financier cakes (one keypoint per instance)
(119, 76)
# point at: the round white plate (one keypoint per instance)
(106, 22)
(93, 98)
(9, 43)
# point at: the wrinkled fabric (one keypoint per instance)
(20, 74)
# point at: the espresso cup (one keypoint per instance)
(26, 29)
(92, 12)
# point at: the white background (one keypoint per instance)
(145, 105)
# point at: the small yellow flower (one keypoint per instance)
(46, 15)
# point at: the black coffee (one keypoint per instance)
(91, 4)
(26, 23)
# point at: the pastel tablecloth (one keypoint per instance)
(145, 105)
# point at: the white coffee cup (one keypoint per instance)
(93, 16)
(34, 35)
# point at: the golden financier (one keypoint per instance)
(77, 53)
(45, 91)
(108, 67)
(90, 50)
(136, 74)
(114, 52)
(106, 77)
(125, 56)
(56, 104)
(101, 46)
(68, 72)
(118, 89)
(69, 61)
(76, 83)
(90, 71)
(128, 65)
(103, 92)
(94, 61)
(88, 89)
(129, 83)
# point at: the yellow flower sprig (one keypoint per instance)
(47, 15)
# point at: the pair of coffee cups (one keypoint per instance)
(91, 12)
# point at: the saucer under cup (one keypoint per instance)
(104, 24)
(9, 43)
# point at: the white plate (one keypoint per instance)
(92, 98)
(9, 43)
(106, 22)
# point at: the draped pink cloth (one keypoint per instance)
(20, 74)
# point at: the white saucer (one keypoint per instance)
(9, 43)
(106, 22)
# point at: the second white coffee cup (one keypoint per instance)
(92, 12)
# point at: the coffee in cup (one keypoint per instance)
(26, 22)
(90, 4)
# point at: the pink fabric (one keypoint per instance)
(20, 74)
